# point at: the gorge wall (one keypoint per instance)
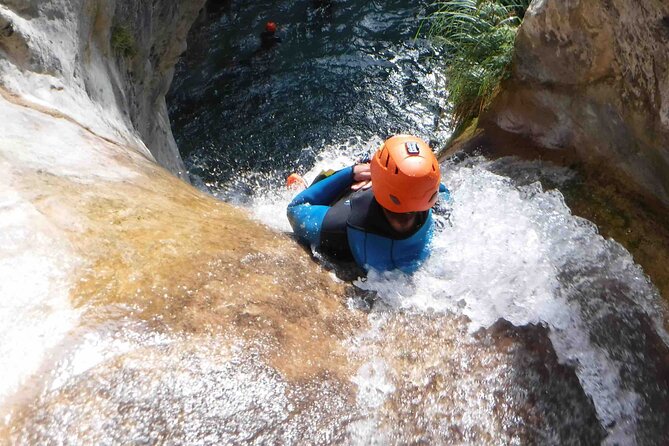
(591, 80)
(107, 65)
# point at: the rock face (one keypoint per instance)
(103, 252)
(591, 78)
(97, 241)
(106, 64)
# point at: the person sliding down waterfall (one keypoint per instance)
(378, 213)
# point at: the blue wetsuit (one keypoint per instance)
(354, 227)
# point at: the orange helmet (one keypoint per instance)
(405, 175)
(270, 27)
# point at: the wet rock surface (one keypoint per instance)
(503, 384)
(589, 79)
(148, 261)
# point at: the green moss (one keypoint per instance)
(625, 217)
(123, 42)
(465, 131)
(478, 36)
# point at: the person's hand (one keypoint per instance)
(362, 177)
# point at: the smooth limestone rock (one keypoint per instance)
(107, 64)
(104, 254)
(591, 79)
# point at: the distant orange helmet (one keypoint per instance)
(405, 175)
(270, 27)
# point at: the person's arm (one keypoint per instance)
(307, 210)
(325, 191)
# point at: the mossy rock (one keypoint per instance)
(123, 42)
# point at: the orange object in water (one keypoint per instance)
(405, 175)
(270, 27)
(295, 181)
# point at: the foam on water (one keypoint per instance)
(35, 311)
(516, 252)
(269, 205)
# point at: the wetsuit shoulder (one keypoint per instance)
(334, 237)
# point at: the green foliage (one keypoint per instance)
(123, 42)
(518, 6)
(478, 36)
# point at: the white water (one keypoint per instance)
(269, 205)
(37, 263)
(35, 309)
(501, 259)
(516, 253)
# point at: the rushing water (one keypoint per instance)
(586, 323)
(525, 326)
(348, 74)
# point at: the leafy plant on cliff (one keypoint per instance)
(478, 36)
(123, 42)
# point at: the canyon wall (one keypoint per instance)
(591, 79)
(106, 64)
